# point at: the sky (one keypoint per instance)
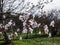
(35, 2)
(55, 4)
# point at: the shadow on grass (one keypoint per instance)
(38, 36)
(6, 43)
(35, 36)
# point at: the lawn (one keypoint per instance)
(38, 41)
(35, 40)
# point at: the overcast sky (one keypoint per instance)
(26, 5)
(53, 5)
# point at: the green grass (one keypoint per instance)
(38, 41)
(35, 40)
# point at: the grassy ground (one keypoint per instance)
(38, 41)
(35, 40)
